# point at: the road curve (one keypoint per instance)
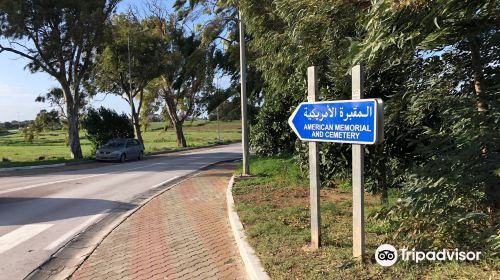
(40, 213)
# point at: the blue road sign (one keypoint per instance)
(346, 121)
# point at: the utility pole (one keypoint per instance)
(243, 80)
(217, 109)
(130, 95)
(130, 79)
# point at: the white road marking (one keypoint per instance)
(164, 182)
(54, 244)
(18, 236)
(69, 180)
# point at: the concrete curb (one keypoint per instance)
(253, 267)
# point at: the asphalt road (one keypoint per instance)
(40, 213)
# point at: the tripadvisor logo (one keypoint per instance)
(387, 255)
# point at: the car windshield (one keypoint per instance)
(114, 143)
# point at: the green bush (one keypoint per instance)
(271, 135)
(104, 124)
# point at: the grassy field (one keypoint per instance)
(50, 145)
(274, 209)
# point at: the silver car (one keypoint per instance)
(120, 149)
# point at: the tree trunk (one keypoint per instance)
(181, 140)
(136, 122)
(137, 126)
(74, 134)
(477, 68)
(492, 191)
(72, 111)
(176, 123)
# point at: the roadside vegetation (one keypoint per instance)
(49, 146)
(274, 209)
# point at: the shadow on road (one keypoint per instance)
(25, 210)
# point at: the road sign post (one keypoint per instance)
(358, 157)
(314, 181)
(358, 122)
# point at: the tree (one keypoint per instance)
(453, 99)
(430, 25)
(60, 38)
(286, 42)
(47, 120)
(55, 98)
(440, 147)
(104, 124)
(220, 29)
(28, 134)
(187, 65)
(151, 105)
(129, 36)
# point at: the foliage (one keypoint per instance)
(450, 194)
(104, 124)
(55, 98)
(323, 38)
(60, 38)
(219, 29)
(287, 38)
(394, 26)
(187, 70)
(271, 135)
(28, 134)
(435, 65)
(445, 197)
(47, 120)
(128, 36)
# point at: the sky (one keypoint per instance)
(19, 88)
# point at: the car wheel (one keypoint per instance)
(122, 158)
(141, 156)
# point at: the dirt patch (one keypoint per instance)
(285, 197)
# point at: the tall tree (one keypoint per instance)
(132, 50)
(219, 28)
(188, 68)
(60, 38)
(452, 103)
(407, 26)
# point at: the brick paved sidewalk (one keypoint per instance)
(182, 234)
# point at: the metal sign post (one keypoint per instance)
(314, 181)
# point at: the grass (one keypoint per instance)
(50, 145)
(273, 207)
